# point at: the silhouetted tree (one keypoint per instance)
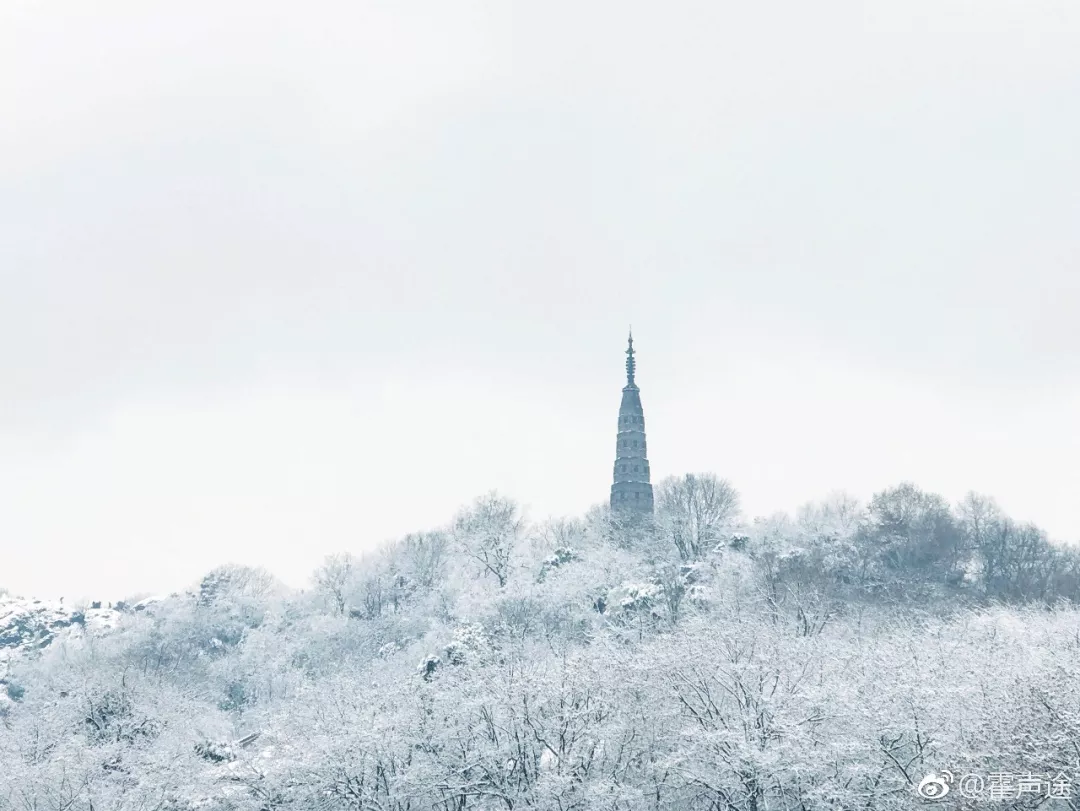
(694, 510)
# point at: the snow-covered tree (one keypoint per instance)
(694, 511)
(334, 577)
(489, 532)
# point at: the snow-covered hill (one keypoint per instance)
(27, 624)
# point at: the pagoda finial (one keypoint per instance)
(630, 359)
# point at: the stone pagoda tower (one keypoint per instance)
(631, 493)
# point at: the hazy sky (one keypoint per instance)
(284, 279)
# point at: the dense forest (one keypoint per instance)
(692, 660)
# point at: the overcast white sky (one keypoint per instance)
(282, 279)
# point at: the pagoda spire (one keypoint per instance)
(631, 491)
